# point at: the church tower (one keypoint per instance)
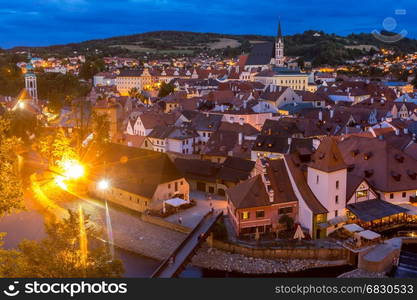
(279, 48)
(30, 80)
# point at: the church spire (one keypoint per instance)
(279, 35)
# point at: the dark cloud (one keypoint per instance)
(45, 22)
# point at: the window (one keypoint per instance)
(285, 210)
(337, 199)
(169, 185)
(260, 213)
(360, 194)
(336, 213)
(337, 184)
(391, 196)
(245, 215)
(404, 194)
(317, 179)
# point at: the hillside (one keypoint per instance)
(315, 46)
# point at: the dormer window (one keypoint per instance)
(396, 175)
(399, 158)
(367, 156)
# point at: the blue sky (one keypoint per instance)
(48, 22)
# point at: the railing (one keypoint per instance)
(166, 262)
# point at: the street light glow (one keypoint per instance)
(73, 169)
(22, 105)
(103, 184)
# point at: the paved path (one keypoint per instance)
(191, 216)
(180, 257)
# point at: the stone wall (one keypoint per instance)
(290, 253)
(161, 222)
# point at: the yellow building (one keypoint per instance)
(292, 78)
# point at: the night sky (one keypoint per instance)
(48, 22)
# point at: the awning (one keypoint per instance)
(337, 220)
(369, 235)
(176, 202)
(353, 227)
(411, 209)
(370, 210)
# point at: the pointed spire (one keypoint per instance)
(279, 35)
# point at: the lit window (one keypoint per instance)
(245, 215)
(360, 194)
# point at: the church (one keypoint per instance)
(268, 64)
(265, 55)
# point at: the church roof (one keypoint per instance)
(279, 35)
(261, 54)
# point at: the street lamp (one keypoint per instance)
(21, 105)
(73, 169)
(103, 184)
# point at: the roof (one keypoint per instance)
(371, 210)
(250, 193)
(134, 170)
(352, 227)
(236, 169)
(295, 168)
(280, 182)
(385, 167)
(369, 235)
(197, 169)
(328, 158)
(261, 54)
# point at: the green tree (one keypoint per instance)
(91, 67)
(101, 129)
(55, 148)
(166, 89)
(59, 255)
(10, 184)
(287, 221)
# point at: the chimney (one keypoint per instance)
(331, 113)
(372, 100)
(397, 132)
(244, 104)
(240, 122)
(240, 139)
(320, 115)
(289, 141)
(271, 195)
(405, 130)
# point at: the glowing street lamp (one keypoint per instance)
(73, 169)
(21, 105)
(103, 184)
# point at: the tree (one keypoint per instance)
(166, 89)
(59, 255)
(91, 67)
(56, 148)
(101, 129)
(10, 184)
(286, 220)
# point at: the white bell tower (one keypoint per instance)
(30, 80)
(279, 48)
